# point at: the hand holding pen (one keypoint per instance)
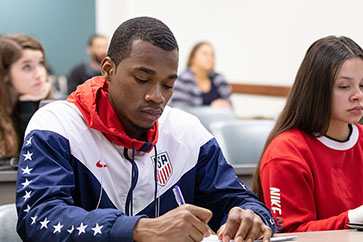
(184, 223)
(180, 200)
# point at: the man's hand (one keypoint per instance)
(244, 225)
(185, 223)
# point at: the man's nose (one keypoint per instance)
(155, 94)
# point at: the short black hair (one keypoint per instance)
(141, 28)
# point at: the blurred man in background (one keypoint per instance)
(97, 50)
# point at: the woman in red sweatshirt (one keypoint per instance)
(311, 172)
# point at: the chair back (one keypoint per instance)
(242, 141)
(8, 219)
(208, 115)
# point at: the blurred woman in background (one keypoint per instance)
(23, 83)
(199, 85)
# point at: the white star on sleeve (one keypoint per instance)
(34, 219)
(243, 185)
(27, 195)
(28, 156)
(27, 208)
(29, 141)
(44, 223)
(97, 229)
(70, 230)
(27, 170)
(26, 183)
(81, 228)
(271, 221)
(57, 228)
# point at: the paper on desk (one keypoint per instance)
(214, 238)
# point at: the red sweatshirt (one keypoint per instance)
(311, 183)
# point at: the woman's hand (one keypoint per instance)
(220, 103)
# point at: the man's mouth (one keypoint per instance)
(152, 113)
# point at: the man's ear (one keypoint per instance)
(108, 68)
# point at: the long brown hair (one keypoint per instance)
(11, 48)
(309, 103)
(10, 51)
(194, 50)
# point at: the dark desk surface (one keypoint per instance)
(244, 169)
(7, 186)
(8, 176)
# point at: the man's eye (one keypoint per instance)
(168, 87)
(141, 80)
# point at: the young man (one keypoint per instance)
(97, 50)
(102, 164)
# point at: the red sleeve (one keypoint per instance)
(288, 189)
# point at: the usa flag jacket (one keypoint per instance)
(81, 178)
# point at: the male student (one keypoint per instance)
(97, 50)
(102, 165)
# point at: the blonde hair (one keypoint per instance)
(194, 51)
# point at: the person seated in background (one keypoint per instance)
(199, 84)
(97, 50)
(23, 83)
(310, 174)
(102, 165)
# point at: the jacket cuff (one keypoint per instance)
(356, 215)
(123, 228)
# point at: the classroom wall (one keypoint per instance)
(259, 41)
(62, 26)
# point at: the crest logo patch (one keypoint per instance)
(164, 168)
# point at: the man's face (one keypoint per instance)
(141, 85)
(98, 49)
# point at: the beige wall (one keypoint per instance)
(256, 41)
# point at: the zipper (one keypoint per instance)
(134, 178)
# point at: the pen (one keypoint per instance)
(178, 195)
(180, 200)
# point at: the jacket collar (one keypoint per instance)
(91, 98)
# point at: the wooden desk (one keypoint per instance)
(350, 235)
(7, 186)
